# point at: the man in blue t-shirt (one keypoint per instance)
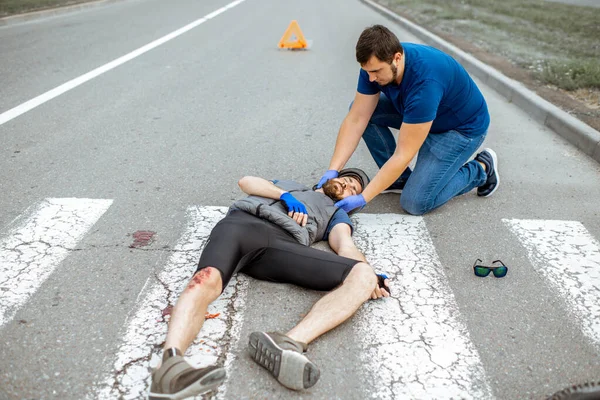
(440, 114)
(258, 245)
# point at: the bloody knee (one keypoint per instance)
(207, 278)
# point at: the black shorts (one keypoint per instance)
(241, 242)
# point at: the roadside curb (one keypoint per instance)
(30, 16)
(578, 133)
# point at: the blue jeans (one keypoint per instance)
(442, 171)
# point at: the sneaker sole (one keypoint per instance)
(292, 369)
(495, 158)
(208, 382)
(396, 191)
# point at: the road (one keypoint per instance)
(585, 3)
(156, 142)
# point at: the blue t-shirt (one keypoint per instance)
(339, 217)
(435, 87)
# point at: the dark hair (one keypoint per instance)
(378, 41)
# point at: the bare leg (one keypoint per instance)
(337, 306)
(187, 317)
(176, 378)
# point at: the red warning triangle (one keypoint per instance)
(286, 41)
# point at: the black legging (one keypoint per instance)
(245, 243)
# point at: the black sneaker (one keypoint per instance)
(585, 391)
(176, 379)
(490, 159)
(282, 357)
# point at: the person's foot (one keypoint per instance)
(395, 187)
(282, 357)
(176, 379)
(489, 158)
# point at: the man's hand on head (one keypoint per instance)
(330, 174)
(352, 202)
(296, 210)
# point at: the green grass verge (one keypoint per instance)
(572, 75)
(560, 43)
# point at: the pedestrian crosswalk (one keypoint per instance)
(420, 348)
(569, 258)
(414, 345)
(37, 243)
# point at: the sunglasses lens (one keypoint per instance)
(481, 271)
(500, 272)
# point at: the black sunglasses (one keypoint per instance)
(483, 270)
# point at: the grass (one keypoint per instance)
(10, 7)
(559, 43)
(572, 75)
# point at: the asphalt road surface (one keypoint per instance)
(586, 3)
(111, 178)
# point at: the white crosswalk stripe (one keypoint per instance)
(37, 243)
(415, 345)
(566, 255)
(146, 330)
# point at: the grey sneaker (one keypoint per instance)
(584, 391)
(490, 159)
(396, 187)
(282, 357)
(176, 379)
(392, 190)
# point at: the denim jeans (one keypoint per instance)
(441, 172)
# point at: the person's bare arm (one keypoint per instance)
(352, 129)
(256, 186)
(410, 140)
(340, 241)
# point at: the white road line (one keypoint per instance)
(65, 87)
(146, 329)
(415, 346)
(37, 243)
(566, 255)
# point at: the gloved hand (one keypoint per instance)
(351, 202)
(381, 282)
(330, 174)
(382, 289)
(295, 208)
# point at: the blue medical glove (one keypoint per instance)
(292, 204)
(351, 202)
(330, 174)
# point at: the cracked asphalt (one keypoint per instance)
(165, 137)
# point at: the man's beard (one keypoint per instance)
(394, 74)
(333, 189)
